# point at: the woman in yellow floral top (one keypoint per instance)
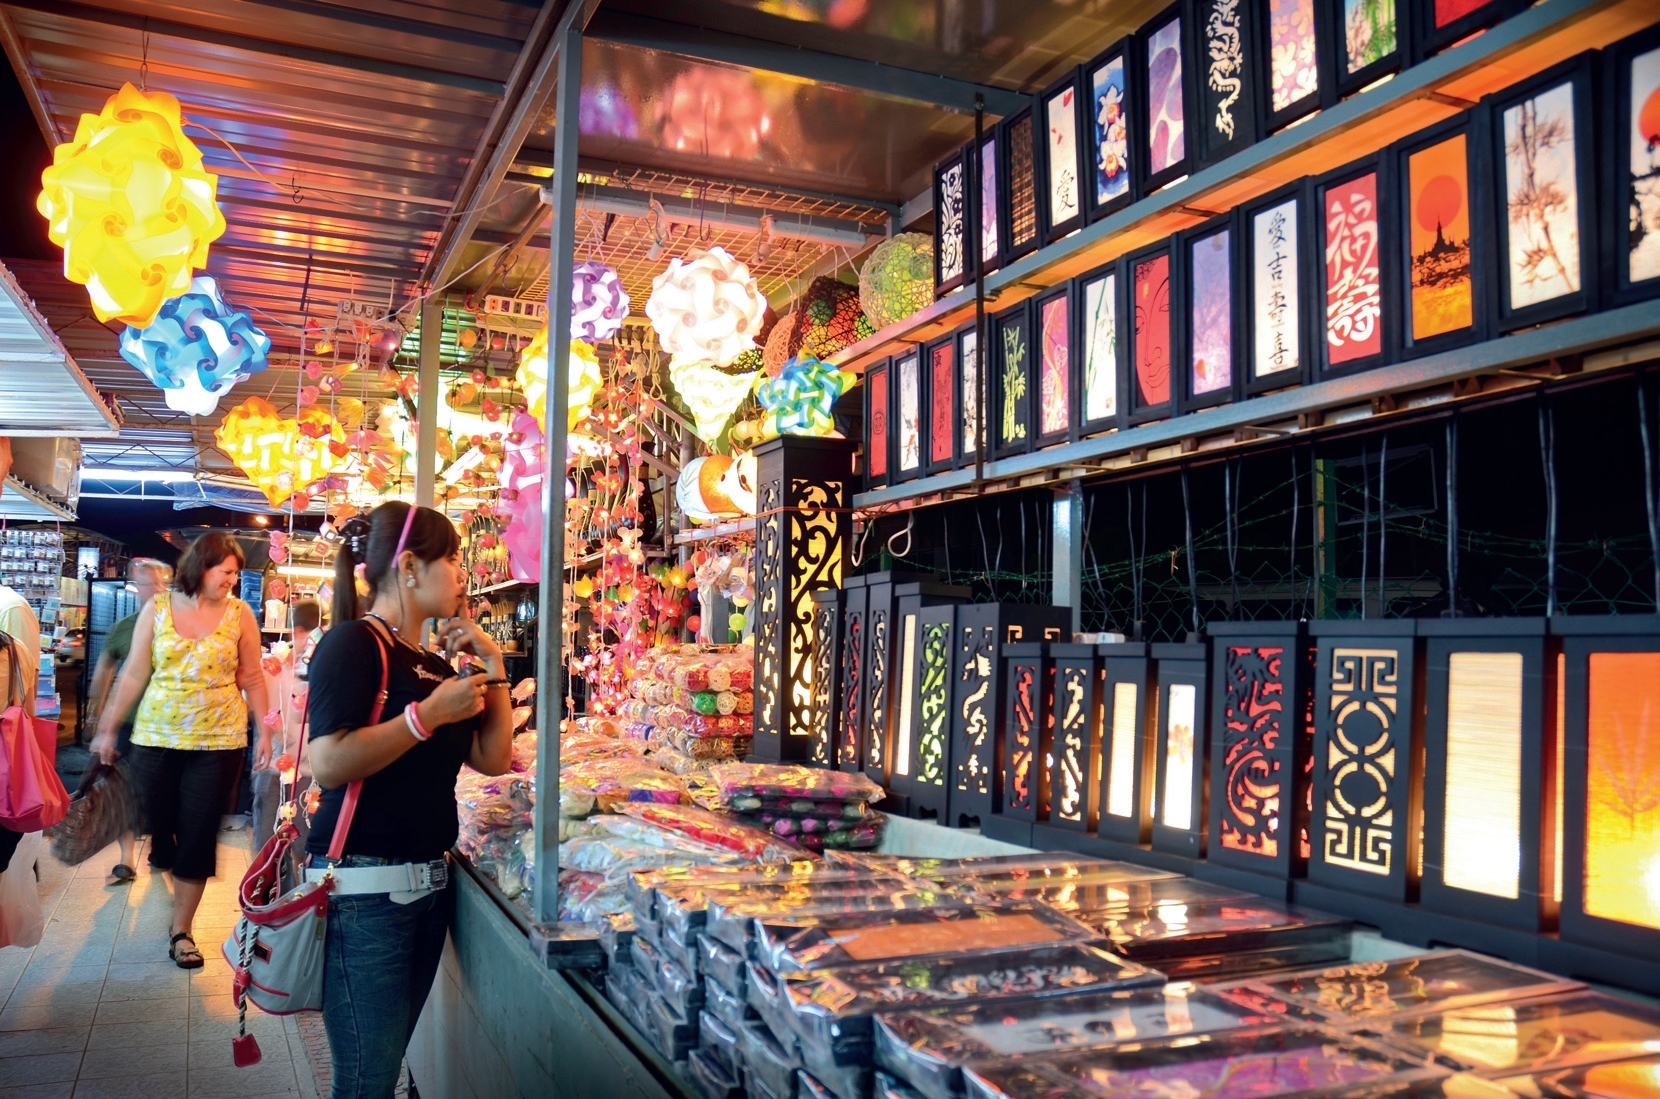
(195, 657)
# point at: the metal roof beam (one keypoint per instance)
(705, 44)
(90, 13)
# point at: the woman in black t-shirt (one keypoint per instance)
(390, 909)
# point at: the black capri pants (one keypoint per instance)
(184, 793)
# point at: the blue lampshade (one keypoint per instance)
(197, 348)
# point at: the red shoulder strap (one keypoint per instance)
(348, 808)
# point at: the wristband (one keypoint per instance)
(412, 718)
(496, 683)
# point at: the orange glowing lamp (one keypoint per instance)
(279, 454)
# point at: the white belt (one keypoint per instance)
(404, 882)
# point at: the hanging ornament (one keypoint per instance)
(131, 206)
(777, 351)
(281, 456)
(522, 470)
(712, 394)
(688, 489)
(279, 547)
(585, 379)
(737, 484)
(897, 279)
(799, 400)
(827, 319)
(197, 348)
(707, 309)
(598, 302)
(349, 411)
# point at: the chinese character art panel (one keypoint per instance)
(1062, 117)
(942, 426)
(1354, 296)
(1274, 301)
(1225, 67)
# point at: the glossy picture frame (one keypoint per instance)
(1099, 125)
(1477, 211)
(1154, 36)
(1259, 232)
(1143, 303)
(903, 365)
(878, 424)
(941, 418)
(1183, 672)
(1012, 424)
(1110, 278)
(1055, 163)
(1227, 66)
(1126, 765)
(952, 204)
(1191, 283)
(1383, 315)
(1045, 384)
(1623, 188)
(991, 143)
(1322, 95)
(1432, 40)
(1018, 228)
(1379, 63)
(969, 389)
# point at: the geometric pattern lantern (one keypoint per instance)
(799, 399)
(897, 279)
(281, 456)
(1179, 758)
(707, 308)
(598, 302)
(131, 206)
(585, 381)
(197, 348)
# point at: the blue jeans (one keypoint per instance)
(382, 958)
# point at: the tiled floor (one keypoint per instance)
(97, 1011)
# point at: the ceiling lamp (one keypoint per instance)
(598, 302)
(282, 456)
(129, 203)
(707, 309)
(799, 400)
(584, 379)
(197, 348)
(897, 279)
(710, 393)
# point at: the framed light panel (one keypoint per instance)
(951, 224)
(1611, 835)
(1128, 691)
(1633, 167)
(1179, 789)
(1227, 69)
(922, 745)
(1277, 235)
(1488, 769)
(878, 426)
(1062, 194)
(1443, 185)
(1353, 214)
(877, 706)
(850, 713)
(1292, 79)
(1210, 315)
(1028, 685)
(1013, 357)
(988, 192)
(944, 420)
(1367, 40)
(1019, 210)
(1260, 743)
(1074, 763)
(909, 382)
(977, 712)
(1099, 344)
(1055, 337)
(970, 389)
(1443, 23)
(1107, 114)
(1165, 99)
(1147, 384)
(1365, 827)
(825, 717)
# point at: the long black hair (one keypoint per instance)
(372, 540)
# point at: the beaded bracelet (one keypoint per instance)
(412, 718)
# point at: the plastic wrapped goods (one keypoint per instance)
(711, 828)
(767, 1061)
(1505, 1038)
(1089, 898)
(730, 1007)
(641, 889)
(795, 943)
(741, 783)
(710, 1078)
(1224, 938)
(732, 919)
(719, 1039)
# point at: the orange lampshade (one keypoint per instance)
(279, 454)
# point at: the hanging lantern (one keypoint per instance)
(281, 456)
(131, 206)
(777, 351)
(712, 394)
(799, 400)
(197, 348)
(897, 279)
(598, 302)
(827, 319)
(584, 379)
(522, 472)
(707, 309)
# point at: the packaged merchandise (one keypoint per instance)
(1459, 1085)
(719, 1039)
(710, 1079)
(1218, 939)
(765, 994)
(682, 954)
(1633, 1078)
(768, 1061)
(731, 918)
(842, 1081)
(745, 785)
(736, 873)
(1510, 1038)
(726, 1005)
(886, 1087)
(721, 963)
(627, 994)
(710, 828)
(807, 1086)
(796, 942)
(681, 991)
(675, 1033)
(1086, 897)
(615, 936)
(647, 961)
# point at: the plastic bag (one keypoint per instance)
(21, 920)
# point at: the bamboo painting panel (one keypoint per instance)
(910, 414)
(943, 412)
(988, 203)
(1439, 188)
(1293, 55)
(876, 442)
(1643, 185)
(1112, 134)
(969, 395)
(1013, 416)
(1100, 303)
(1210, 361)
(1542, 197)
(1354, 302)
(1054, 379)
(1152, 330)
(1062, 118)
(1482, 849)
(1274, 289)
(1369, 33)
(1622, 805)
(1166, 130)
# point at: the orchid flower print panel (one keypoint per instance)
(1152, 330)
(1541, 186)
(1100, 328)
(1210, 271)
(1369, 33)
(1354, 302)
(1166, 135)
(1112, 136)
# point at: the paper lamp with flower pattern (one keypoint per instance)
(598, 302)
(282, 456)
(131, 206)
(799, 400)
(897, 279)
(197, 348)
(584, 379)
(711, 393)
(706, 309)
(522, 470)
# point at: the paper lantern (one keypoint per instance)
(897, 279)
(777, 351)
(532, 377)
(828, 319)
(197, 348)
(799, 400)
(131, 206)
(598, 302)
(688, 490)
(707, 309)
(712, 394)
(280, 455)
(523, 468)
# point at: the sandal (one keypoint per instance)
(186, 957)
(122, 874)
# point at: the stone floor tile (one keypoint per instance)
(60, 1090)
(169, 1084)
(39, 1068)
(141, 1011)
(135, 1060)
(22, 1043)
(35, 1015)
(265, 1078)
(107, 1035)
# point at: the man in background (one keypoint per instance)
(287, 690)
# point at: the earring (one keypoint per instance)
(409, 583)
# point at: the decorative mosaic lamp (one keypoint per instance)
(131, 205)
(711, 393)
(197, 348)
(598, 302)
(828, 319)
(532, 377)
(281, 455)
(522, 470)
(898, 279)
(707, 309)
(799, 400)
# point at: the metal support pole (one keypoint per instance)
(426, 406)
(1068, 551)
(550, 649)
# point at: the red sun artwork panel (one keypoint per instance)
(1152, 329)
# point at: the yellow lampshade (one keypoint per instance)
(279, 454)
(712, 394)
(584, 374)
(131, 206)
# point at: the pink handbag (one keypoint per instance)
(32, 796)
